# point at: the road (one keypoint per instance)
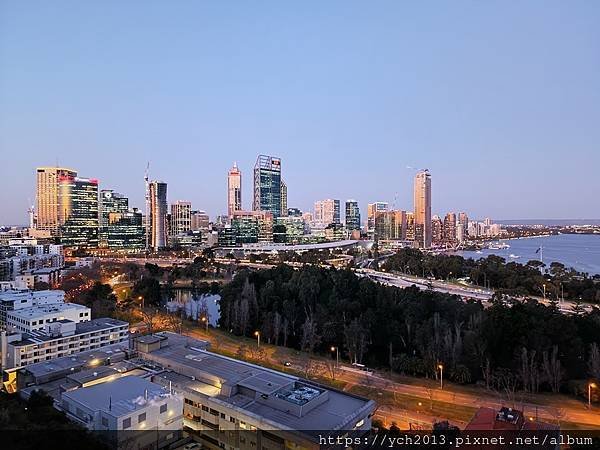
(416, 413)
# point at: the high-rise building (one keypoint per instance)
(181, 217)
(284, 208)
(372, 210)
(110, 202)
(251, 227)
(327, 212)
(352, 215)
(125, 230)
(437, 230)
(234, 190)
(463, 220)
(156, 221)
(422, 203)
(199, 221)
(49, 213)
(390, 225)
(78, 199)
(267, 185)
(410, 226)
(450, 228)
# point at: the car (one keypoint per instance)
(192, 446)
(287, 364)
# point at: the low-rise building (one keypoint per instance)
(60, 338)
(222, 402)
(13, 300)
(129, 403)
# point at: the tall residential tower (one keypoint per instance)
(156, 220)
(422, 201)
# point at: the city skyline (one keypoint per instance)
(502, 117)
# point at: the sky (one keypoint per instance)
(500, 100)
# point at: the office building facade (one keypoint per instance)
(352, 215)
(79, 208)
(267, 185)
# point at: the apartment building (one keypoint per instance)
(62, 337)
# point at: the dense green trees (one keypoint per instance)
(525, 345)
(533, 278)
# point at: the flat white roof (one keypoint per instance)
(118, 397)
(39, 311)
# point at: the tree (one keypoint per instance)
(552, 369)
(594, 361)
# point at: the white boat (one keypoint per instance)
(498, 246)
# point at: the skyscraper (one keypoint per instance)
(110, 202)
(156, 220)
(284, 208)
(181, 217)
(78, 199)
(422, 201)
(327, 212)
(352, 215)
(372, 210)
(450, 228)
(267, 185)
(234, 190)
(391, 225)
(49, 213)
(463, 220)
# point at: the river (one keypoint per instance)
(579, 251)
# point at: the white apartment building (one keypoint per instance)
(13, 300)
(60, 338)
(42, 317)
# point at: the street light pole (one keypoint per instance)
(441, 367)
(337, 355)
(257, 334)
(590, 387)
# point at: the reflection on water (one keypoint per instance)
(580, 251)
(193, 306)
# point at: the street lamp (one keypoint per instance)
(441, 369)
(257, 334)
(205, 320)
(141, 299)
(337, 355)
(590, 387)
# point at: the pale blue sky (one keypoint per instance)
(500, 100)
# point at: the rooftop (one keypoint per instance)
(240, 384)
(40, 311)
(118, 397)
(90, 326)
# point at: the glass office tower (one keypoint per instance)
(267, 185)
